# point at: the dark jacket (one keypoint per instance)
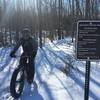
(29, 46)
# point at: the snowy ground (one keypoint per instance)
(52, 82)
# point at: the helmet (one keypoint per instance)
(26, 33)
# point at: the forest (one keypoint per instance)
(53, 19)
(57, 57)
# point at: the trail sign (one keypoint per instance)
(88, 40)
(88, 47)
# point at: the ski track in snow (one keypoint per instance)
(52, 83)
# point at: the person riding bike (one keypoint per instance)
(30, 47)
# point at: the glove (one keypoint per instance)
(12, 55)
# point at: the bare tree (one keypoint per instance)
(40, 21)
(87, 12)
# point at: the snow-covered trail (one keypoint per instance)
(79, 67)
(52, 83)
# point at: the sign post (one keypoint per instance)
(88, 47)
(87, 80)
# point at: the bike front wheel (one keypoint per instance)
(17, 83)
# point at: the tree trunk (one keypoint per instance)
(87, 12)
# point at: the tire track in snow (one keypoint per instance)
(80, 72)
(51, 64)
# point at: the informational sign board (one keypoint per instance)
(88, 40)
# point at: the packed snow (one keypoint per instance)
(59, 76)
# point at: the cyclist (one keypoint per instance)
(30, 47)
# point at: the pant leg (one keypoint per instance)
(31, 68)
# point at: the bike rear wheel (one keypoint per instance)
(17, 83)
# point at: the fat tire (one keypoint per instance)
(13, 92)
